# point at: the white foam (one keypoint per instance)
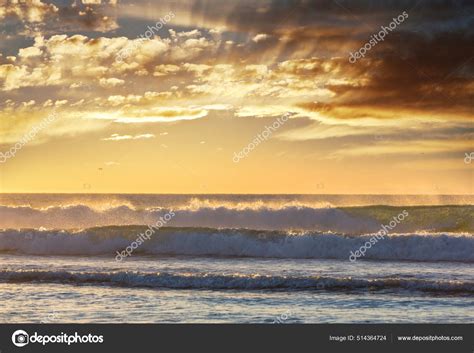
(233, 282)
(240, 242)
(291, 217)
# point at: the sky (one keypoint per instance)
(237, 96)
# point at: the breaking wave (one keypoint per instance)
(239, 242)
(353, 220)
(232, 282)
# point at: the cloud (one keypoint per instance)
(117, 137)
(153, 115)
(415, 147)
(91, 2)
(19, 119)
(33, 17)
(165, 69)
(260, 37)
(29, 52)
(27, 10)
(111, 82)
(299, 65)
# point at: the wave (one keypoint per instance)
(353, 220)
(235, 201)
(211, 281)
(239, 242)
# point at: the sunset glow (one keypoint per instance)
(157, 97)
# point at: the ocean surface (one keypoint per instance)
(236, 258)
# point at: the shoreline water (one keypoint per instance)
(235, 259)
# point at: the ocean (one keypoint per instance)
(109, 258)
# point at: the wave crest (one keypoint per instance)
(353, 220)
(239, 242)
(232, 282)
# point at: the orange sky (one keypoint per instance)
(167, 114)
